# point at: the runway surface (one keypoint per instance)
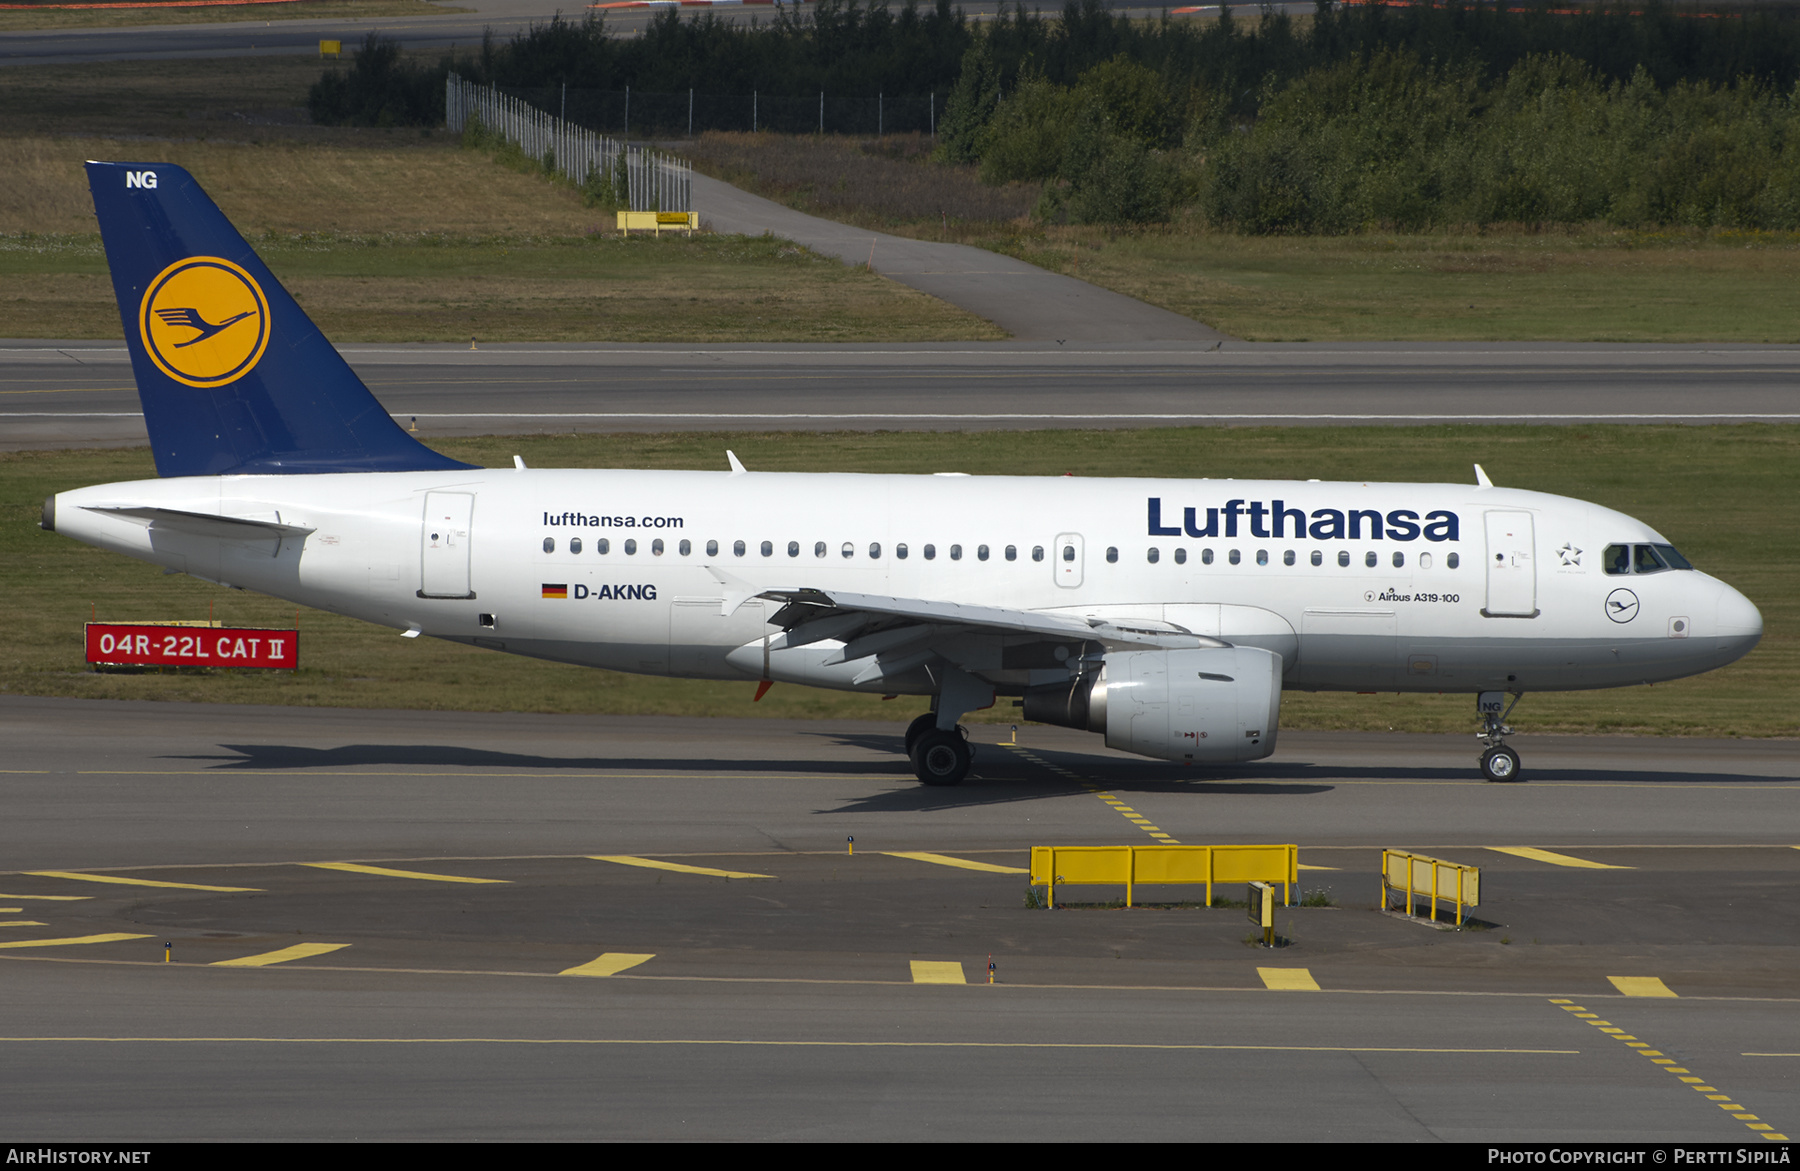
(61, 394)
(389, 925)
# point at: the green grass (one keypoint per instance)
(1724, 495)
(1590, 285)
(598, 288)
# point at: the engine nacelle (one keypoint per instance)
(1208, 705)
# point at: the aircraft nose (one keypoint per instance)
(1738, 622)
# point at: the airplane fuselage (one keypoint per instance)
(1360, 587)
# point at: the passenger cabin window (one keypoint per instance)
(819, 548)
(1369, 559)
(1233, 557)
(768, 548)
(1206, 556)
(685, 548)
(793, 548)
(712, 549)
(574, 544)
(1424, 561)
(603, 546)
(1037, 552)
(1287, 557)
(549, 544)
(737, 548)
(1262, 556)
(849, 551)
(956, 552)
(1154, 555)
(1068, 553)
(1452, 560)
(1318, 558)
(1112, 555)
(1012, 552)
(631, 547)
(1399, 560)
(1181, 556)
(931, 552)
(981, 552)
(874, 550)
(1343, 558)
(900, 550)
(656, 547)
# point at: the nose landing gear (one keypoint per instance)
(1498, 762)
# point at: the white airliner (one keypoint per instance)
(1168, 615)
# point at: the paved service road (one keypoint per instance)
(419, 924)
(59, 394)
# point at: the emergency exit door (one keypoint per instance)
(444, 545)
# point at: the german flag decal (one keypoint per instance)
(556, 591)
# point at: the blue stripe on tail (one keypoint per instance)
(233, 376)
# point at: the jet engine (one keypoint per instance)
(1211, 705)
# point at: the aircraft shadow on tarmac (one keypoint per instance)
(995, 765)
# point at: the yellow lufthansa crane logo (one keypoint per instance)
(204, 321)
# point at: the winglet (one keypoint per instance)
(1481, 478)
(737, 467)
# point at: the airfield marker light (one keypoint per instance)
(471, 341)
(990, 967)
(415, 425)
(1015, 735)
(168, 951)
(850, 844)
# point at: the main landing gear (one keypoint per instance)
(1498, 762)
(940, 756)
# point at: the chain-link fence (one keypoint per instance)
(684, 114)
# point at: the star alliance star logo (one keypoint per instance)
(1570, 554)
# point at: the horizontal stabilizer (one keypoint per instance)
(203, 524)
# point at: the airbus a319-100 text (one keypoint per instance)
(1167, 615)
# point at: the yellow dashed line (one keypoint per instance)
(1669, 1065)
(1288, 979)
(49, 898)
(1641, 986)
(386, 872)
(609, 964)
(1126, 811)
(937, 972)
(299, 951)
(1555, 859)
(21, 923)
(70, 874)
(961, 863)
(71, 940)
(677, 867)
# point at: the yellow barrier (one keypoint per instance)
(1433, 879)
(1133, 866)
(330, 48)
(657, 221)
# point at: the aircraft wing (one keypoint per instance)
(875, 622)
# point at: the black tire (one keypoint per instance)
(941, 758)
(918, 728)
(1500, 765)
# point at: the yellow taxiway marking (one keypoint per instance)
(677, 867)
(299, 951)
(1641, 986)
(962, 863)
(1555, 859)
(20, 922)
(1668, 1064)
(49, 898)
(12, 910)
(70, 874)
(709, 1041)
(1304, 866)
(73, 939)
(937, 972)
(1288, 979)
(609, 964)
(387, 872)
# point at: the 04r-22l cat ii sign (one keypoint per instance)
(1168, 615)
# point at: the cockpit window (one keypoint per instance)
(1671, 558)
(1620, 559)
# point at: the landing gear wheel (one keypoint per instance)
(1500, 764)
(941, 758)
(918, 728)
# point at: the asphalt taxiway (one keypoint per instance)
(412, 924)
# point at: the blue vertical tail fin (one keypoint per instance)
(233, 376)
